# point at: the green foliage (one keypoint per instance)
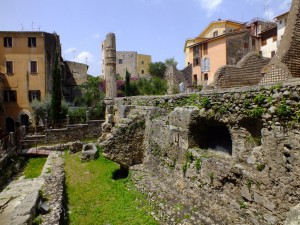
(157, 69)
(276, 86)
(198, 163)
(284, 111)
(149, 86)
(119, 77)
(259, 99)
(247, 103)
(95, 198)
(256, 112)
(243, 205)
(34, 167)
(175, 90)
(184, 168)
(37, 220)
(223, 109)
(56, 91)
(248, 183)
(260, 167)
(127, 83)
(189, 157)
(205, 102)
(171, 62)
(77, 115)
(211, 176)
(92, 98)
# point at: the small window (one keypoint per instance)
(142, 62)
(205, 49)
(285, 21)
(143, 71)
(120, 61)
(196, 61)
(10, 96)
(272, 54)
(9, 67)
(215, 34)
(33, 67)
(32, 42)
(34, 94)
(280, 22)
(205, 76)
(7, 42)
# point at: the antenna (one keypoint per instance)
(267, 11)
(32, 26)
(22, 27)
(39, 28)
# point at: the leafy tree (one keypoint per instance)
(171, 62)
(56, 91)
(157, 69)
(92, 98)
(127, 83)
(149, 86)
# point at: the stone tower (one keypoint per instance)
(110, 66)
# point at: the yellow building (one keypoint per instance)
(26, 60)
(143, 62)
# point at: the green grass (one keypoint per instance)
(95, 198)
(34, 167)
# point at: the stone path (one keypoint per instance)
(18, 201)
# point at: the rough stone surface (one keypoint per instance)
(293, 217)
(216, 157)
(110, 65)
(75, 147)
(89, 152)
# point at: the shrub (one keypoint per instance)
(284, 111)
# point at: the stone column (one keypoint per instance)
(110, 66)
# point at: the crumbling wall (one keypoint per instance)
(247, 173)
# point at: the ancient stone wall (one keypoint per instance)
(247, 72)
(90, 130)
(216, 157)
(175, 77)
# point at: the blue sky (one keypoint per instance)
(155, 27)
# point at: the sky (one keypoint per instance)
(154, 27)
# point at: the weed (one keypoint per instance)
(284, 111)
(211, 176)
(256, 112)
(260, 167)
(243, 205)
(205, 102)
(259, 99)
(37, 220)
(184, 168)
(276, 86)
(189, 157)
(198, 164)
(247, 103)
(223, 109)
(248, 183)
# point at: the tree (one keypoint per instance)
(149, 86)
(157, 69)
(56, 91)
(127, 83)
(171, 62)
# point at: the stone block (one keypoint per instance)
(89, 152)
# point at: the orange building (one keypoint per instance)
(26, 60)
(223, 42)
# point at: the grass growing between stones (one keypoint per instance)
(34, 167)
(95, 198)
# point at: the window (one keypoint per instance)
(285, 21)
(205, 49)
(32, 42)
(34, 94)
(196, 62)
(120, 61)
(9, 67)
(195, 79)
(205, 65)
(143, 71)
(7, 42)
(33, 67)
(253, 42)
(196, 51)
(272, 54)
(215, 34)
(10, 96)
(280, 22)
(142, 62)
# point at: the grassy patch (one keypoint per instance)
(34, 167)
(95, 198)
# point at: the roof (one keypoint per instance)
(218, 37)
(220, 21)
(268, 28)
(281, 15)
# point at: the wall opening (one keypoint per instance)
(211, 134)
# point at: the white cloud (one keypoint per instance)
(84, 57)
(209, 5)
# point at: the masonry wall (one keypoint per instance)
(216, 157)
